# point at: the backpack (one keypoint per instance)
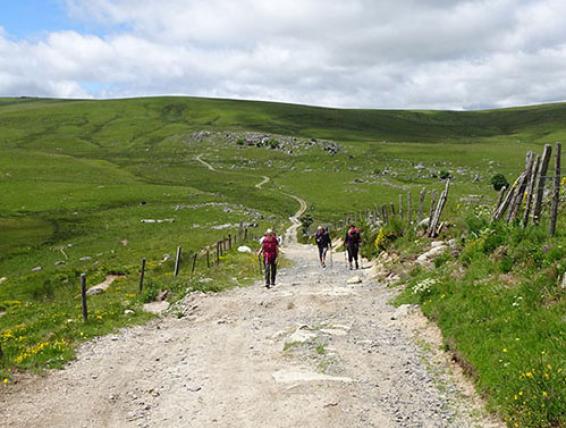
(269, 245)
(354, 236)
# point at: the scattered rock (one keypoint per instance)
(244, 249)
(402, 311)
(293, 376)
(563, 283)
(37, 269)
(93, 291)
(3, 280)
(354, 280)
(129, 312)
(103, 286)
(301, 335)
(437, 248)
(162, 296)
(85, 259)
(334, 331)
(156, 307)
(124, 242)
(60, 262)
(158, 221)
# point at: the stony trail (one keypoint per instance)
(314, 351)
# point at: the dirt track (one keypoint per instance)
(312, 352)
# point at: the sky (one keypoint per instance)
(418, 54)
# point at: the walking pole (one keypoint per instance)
(260, 264)
(331, 260)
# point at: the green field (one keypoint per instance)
(78, 177)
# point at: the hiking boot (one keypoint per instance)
(267, 286)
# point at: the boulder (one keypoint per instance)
(37, 269)
(244, 249)
(3, 279)
(129, 312)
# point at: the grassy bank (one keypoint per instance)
(500, 307)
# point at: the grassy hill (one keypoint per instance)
(78, 177)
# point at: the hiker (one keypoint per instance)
(324, 243)
(352, 243)
(270, 250)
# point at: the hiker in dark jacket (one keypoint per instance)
(270, 251)
(352, 242)
(323, 242)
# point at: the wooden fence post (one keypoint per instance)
(218, 252)
(208, 258)
(392, 206)
(420, 213)
(521, 187)
(194, 262)
(556, 193)
(83, 295)
(409, 208)
(142, 274)
(433, 225)
(246, 234)
(177, 261)
(229, 242)
(544, 160)
(401, 206)
(530, 190)
(432, 206)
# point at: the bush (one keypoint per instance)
(498, 181)
(444, 175)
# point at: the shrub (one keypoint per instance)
(498, 181)
(444, 175)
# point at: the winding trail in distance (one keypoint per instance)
(205, 163)
(290, 235)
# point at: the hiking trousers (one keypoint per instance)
(270, 272)
(353, 254)
(322, 250)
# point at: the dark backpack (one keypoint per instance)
(354, 236)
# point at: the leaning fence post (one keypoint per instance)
(177, 261)
(544, 160)
(246, 234)
(432, 206)
(218, 252)
(556, 194)
(83, 294)
(229, 241)
(530, 191)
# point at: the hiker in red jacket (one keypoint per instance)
(270, 251)
(352, 243)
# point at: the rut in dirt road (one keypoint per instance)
(312, 352)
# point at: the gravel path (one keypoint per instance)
(313, 351)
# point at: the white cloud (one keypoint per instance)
(360, 53)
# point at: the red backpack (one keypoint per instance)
(269, 245)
